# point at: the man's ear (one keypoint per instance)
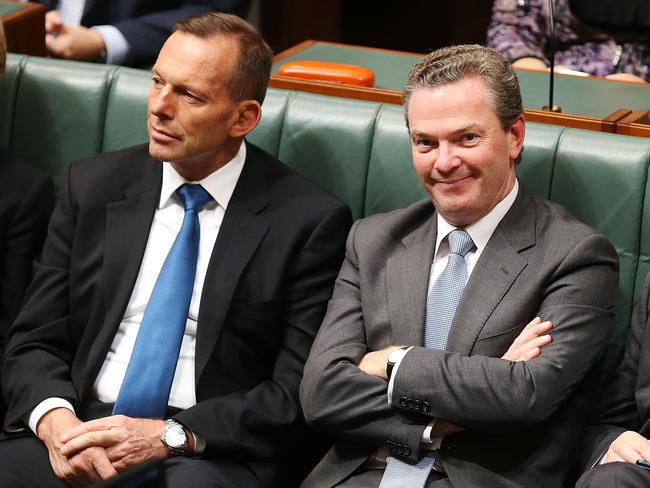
(516, 135)
(249, 113)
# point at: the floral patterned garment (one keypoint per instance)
(519, 28)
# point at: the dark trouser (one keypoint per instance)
(24, 463)
(615, 475)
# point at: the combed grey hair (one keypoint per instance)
(455, 63)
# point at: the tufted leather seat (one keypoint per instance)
(53, 112)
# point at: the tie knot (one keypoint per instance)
(460, 242)
(193, 197)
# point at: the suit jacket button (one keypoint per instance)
(403, 402)
(426, 407)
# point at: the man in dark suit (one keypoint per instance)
(619, 435)
(26, 202)
(466, 410)
(127, 32)
(270, 246)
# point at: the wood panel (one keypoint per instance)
(25, 29)
(285, 23)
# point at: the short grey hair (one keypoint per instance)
(455, 63)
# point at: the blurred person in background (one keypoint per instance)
(520, 30)
(127, 32)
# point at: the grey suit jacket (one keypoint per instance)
(520, 426)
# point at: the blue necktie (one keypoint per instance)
(441, 308)
(148, 380)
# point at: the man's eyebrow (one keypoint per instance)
(466, 128)
(460, 130)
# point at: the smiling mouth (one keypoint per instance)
(453, 181)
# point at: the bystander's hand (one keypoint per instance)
(71, 41)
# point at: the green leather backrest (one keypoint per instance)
(267, 133)
(535, 170)
(328, 140)
(392, 182)
(59, 113)
(53, 112)
(601, 179)
(126, 110)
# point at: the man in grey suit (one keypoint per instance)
(473, 408)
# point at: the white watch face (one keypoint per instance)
(175, 436)
(395, 355)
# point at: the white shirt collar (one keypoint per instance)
(220, 184)
(481, 230)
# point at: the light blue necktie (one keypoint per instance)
(441, 307)
(148, 380)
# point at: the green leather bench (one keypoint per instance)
(53, 112)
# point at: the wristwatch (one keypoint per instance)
(393, 358)
(175, 438)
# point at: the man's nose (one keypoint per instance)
(446, 158)
(161, 104)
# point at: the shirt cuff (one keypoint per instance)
(199, 444)
(391, 380)
(117, 46)
(44, 407)
(426, 435)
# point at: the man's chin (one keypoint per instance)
(157, 151)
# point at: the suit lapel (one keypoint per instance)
(496, 270)
(241, 232)
(128, 221)
(407, 279)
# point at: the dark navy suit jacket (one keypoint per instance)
(146, 24)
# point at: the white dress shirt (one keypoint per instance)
(480, 232)
(165, 226)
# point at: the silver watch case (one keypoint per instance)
(174, 438)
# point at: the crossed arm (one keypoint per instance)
(528, 345)
(466, 390)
